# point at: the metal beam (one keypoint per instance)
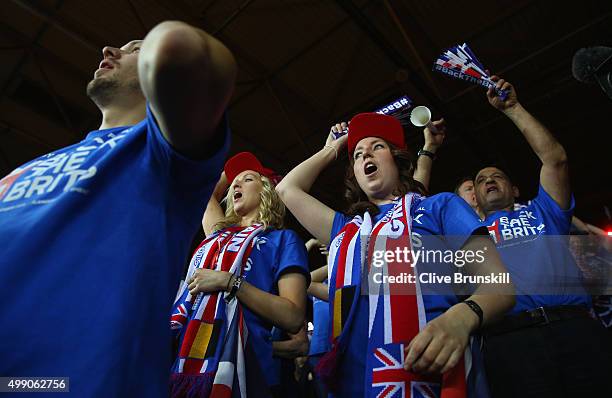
(9, 128)
(424, 69)
(137, 15)
(387, 48)
(43, 52)
(285, 114)
(51, 90)
(295, 57)
(232, 17)
(51, 20)
(348, 73)
(267, 77)
(28, 50)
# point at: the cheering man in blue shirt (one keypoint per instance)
(94, 235)
(548, 345)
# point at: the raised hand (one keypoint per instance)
(511, 100)
(434, 140)
(339, 143)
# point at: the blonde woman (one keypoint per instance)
(248, 275)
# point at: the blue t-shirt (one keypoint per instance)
(276, 252)
(532, 243)
(441, 214)
(94, 239)
(319, 343)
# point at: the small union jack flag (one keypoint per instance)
(179, 318)
(390, 380)
(460, 62)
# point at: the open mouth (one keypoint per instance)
(237, 195)
(369, 168)
(106, 65)
(492, 189)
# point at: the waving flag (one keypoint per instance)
(460, 62)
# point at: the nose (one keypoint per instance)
(111, 52)
(366, 153)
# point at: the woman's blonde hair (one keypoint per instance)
(271, 208)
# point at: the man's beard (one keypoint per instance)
(102, 91)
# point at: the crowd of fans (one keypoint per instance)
(95, 236)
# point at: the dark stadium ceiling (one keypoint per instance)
(305, 64)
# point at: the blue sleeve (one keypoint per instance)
(340, 220)
(562, 219)
(453, 218)
(291, 256)
(186, 173)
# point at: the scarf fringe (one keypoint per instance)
(191, 386)
(327, 368)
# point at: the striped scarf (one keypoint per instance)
(212, 334)
(396, 311)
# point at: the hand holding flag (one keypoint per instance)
(460, 62)
(499, 103)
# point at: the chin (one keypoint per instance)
(496, 204)
(102, 89)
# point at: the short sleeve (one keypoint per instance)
(561, 218)
(292, 256)
(448, 215)
(340, 220)
(185, 172)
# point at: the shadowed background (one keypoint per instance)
(305, 64)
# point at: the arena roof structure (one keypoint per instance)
(305, 64)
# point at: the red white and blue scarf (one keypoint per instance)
(212, 334)
(396, 312)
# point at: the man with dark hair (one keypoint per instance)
(94, 235)
(548, 346)
(465, 190)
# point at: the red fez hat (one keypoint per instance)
(245, 161)
(375, 125)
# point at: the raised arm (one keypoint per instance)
(315, 216)
(214, 212)
(188, 78)
(422, 173)
(554, 175)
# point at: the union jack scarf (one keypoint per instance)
(212, 333)
(396, 311)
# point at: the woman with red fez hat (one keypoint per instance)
(390, 337)
(248, 275)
